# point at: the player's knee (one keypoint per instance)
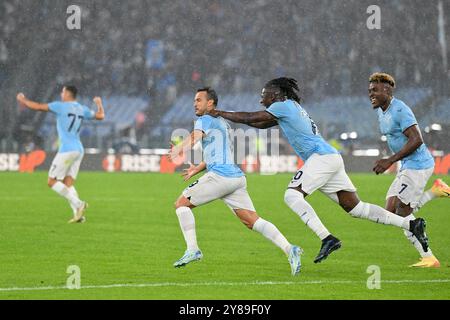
(348, 200)
(248, 218)
(181, 202)
(403, 210)
(347, 206)
(390, 209)
(248, 224)
(68, 181)
(177, 204)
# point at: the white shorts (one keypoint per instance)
(409, 185)
(65, 164)
(323, 172)
(210, 187)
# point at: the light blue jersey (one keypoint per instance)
(69, 117)
(217, 146)
(393, 122)
(300, 129)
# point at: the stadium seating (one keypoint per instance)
(332, 67)
(333, 115)
(439, 112)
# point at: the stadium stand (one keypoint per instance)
(223, 44)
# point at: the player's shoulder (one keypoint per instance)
(57, 106)
(399, 105)
(57, 103)
(65, 104)
(206, 117)
(205, 122)
(84, 107)
(279, 104)
(282, 108)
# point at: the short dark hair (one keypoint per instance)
(211, 94)
(73, 90)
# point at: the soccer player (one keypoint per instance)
(224, 180)
(323, 169)
(406, 194)
(66, 164)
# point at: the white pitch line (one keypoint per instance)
(220, 284)
(90, 199)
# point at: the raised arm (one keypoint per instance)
(414, 141)
(186, 145)
(256, 118)
(31, 104)
(100, 114)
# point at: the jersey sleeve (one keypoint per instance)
(55, 107)
(88, 114)
(405, 118)
(203, 124)
(278, 110)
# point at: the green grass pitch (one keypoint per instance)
(132, 237)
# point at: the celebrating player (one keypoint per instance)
(223, 180)
(64, 169)
(406, 194)
(323, 169)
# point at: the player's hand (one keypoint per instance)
(214, 113)
(174, 154)
(189, 172)
(20, 97)
(382, 165)
(98, 100)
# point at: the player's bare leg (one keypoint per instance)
(187, 223)
(252, 221)
(69, 183)
(428, 260)
(350, 202)
(63, 191)
(295, 199)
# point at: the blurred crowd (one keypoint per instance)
(229, 44)
(232, 45)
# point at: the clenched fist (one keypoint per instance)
(20, 97)
(98, 100)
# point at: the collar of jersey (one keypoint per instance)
(392, 100)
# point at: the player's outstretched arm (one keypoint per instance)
(100, 114)
(193, 170)
(414, 141)
(31, 104)
(186, 145)
(264, 124)
(248, 118)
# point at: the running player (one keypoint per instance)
(406, 194)
(224, 180)
(66, 164)
(323, 169)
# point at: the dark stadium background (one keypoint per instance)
(146, 58)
